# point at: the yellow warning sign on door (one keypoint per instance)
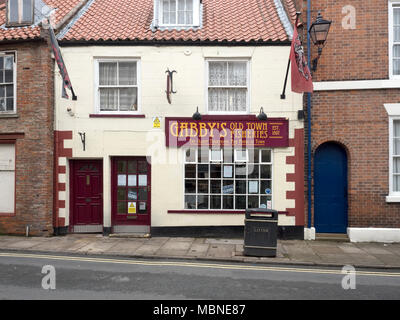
(131, 207)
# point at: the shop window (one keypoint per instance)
(228, 86)
(7, 178)
(117, 87)
(7, 83)
(227, 179)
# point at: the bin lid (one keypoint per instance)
(261, 213)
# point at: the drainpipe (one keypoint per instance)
(309, 114)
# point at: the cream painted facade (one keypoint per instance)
(107, 137)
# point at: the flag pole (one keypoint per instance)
(283, 95)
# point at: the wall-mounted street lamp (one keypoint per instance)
(262, 116)
(319, 32)
(197, 115)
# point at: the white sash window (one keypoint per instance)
(228, 86)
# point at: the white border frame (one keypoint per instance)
(3, 54)
(195, 13)
(228, 59)
(391, 4)
(393, 111)
(97, 60)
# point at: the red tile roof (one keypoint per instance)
(222, 21)
(62, 7)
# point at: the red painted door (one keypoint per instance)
(87, 192)
(131, 191)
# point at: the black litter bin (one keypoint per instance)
(260, 232)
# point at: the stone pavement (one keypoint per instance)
(295, 252)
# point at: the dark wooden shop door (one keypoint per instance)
(87, 197)
(131, 191)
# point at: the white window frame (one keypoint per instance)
(14, 55)
(247, 179)
(248, 65)
(97, 86)
(393, 111)
(392, 4)
(20, 22)
(195, 15)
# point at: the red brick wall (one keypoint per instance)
(349, 54)
(357, 119)
(34, 152)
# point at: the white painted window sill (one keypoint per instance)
(392, 199)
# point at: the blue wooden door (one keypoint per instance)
(330, 189)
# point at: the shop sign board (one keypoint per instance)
(248, 131)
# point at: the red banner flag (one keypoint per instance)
(301, 75)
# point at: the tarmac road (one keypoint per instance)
(83, 277)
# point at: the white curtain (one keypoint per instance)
(230, 75)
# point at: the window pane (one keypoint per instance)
(396, 128)
(166, 11)
(121, 166)
(215, 170)
(396, 183)
(237, 73)
(142, 193)
(265, 172)
(143, 180)
(9, 91)
(265, 202)
(189, 17)
(190, 202)
(190, 186)
(240, 202)
(240, 155)
(237, 99)
(3, 106)
(108, 99)
(190, 171)
(181, 17)
(132, 180)
(396, 146)
(27, 14)
(8, 63)
(203, 155)
(396, 165)
(131, 166)
(190, 155)
(202, 171)
(13, 10)
(240, 186)
(396, 66)
(253, 202)
(215, 202)
(266, 156)
(121, 194)
(216, 155)
(218, 73)
(121, 208)
(108, 73)
(215, 186)
(127, 73)
(396, 34)
(265, 187)
(2, 91)
(128, 99)
(396, 16)
(240, 171)
(254, 171)
(132, 194)
(217, 99)
(202, 202)
(122, 180)
(202, 186)
(227, 202)
(227, 187)
(10, 104)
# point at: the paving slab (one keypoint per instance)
(147, 249)
(225, 241)
(97, 247)
(126, 247)
(221, 250)
(28, 243)
(198, 249)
